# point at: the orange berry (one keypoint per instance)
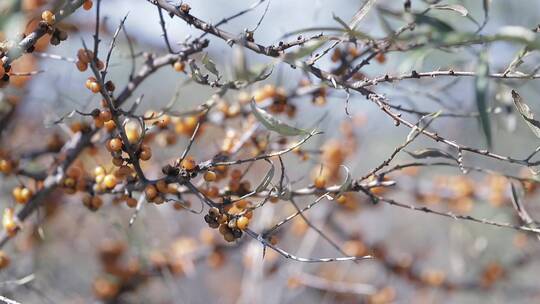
(105, 289)
(48, 17)
(146, 153)
(6, 166)
(96, 202)
(117, 161)
(87, 5)
(22, 194)
(114, 144)
(320, 182)
(99, 170)
(133, 131)
(109, 181)
(85, 56)
(242, 223)
(341, 199)
(236, 174)
(188, 163)
(94, 87)
(4, 260)
(151, 192)
(81, 66)
(229, 237)
(179, 66)
(191, 123)
(110, 125)
(381, 58)
(131, 202)
(105, 115)
(8, 222)
(98, 123)
(210, 176)
(100, 65)
(162, 186)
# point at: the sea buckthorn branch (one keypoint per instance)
(415, 132)
(73, 147)
(210, 163)
(288, 255)
(458, 216)
(382, 49)
(120, 126)
(111, 46)
(30, 40)
(330, 78)
(402, 166)
(433, 74)
(164, 31)
(262, 237)
(232, 224)
(398, 119)
(153, 64)
(240, 13)
(493, 111)
(379, 100)
(319, 231)
(272, 51)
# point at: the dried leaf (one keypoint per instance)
(430, 153)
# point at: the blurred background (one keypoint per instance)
(421, 258)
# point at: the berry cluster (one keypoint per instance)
(230, 223)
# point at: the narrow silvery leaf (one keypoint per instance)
(481, 89)
(209, 65)
(274, 124)
(267, 178)
(452, 7)
(361, 13)
(526, 113)
(346, 184)
(307, 49)
(240, 63)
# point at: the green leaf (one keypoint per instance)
(526, 113)
(309, 48)
(343, 23)
(515, 34)
(385, 24)
(274, 124)
(481, 90)
(209, 65)
(435, 23)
